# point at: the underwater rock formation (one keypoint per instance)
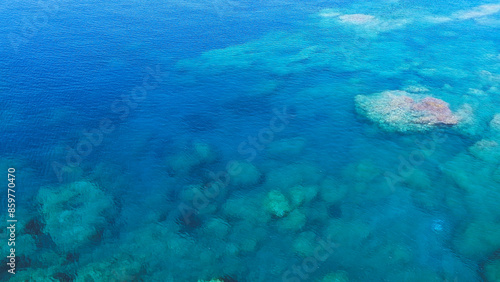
(401, 111)
(479, 236)
(331, 191)
(121, 267)
(75, 213)
(305, 243)
(293, 221)
(347, 233)
(486, 150)
(495, 123)
(244, 174)
(292, 175)
(479, 240)
(184, 162)
(337, 276)
(492, 271)
(277, 204)
(287, 148)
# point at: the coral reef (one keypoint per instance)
(347, 233)
(277, 204)
(332, 191)
(121, 267)
(287, 148)
(318, 187)
(492, 271)
(294, 221)
(51, 268)
(285, 177)
(299, 195)
(486, 150)
(248, 208)
(75, 214)
(305, 243)
(401, 111)
(362, 176)
(495, 122)
(337, 276)
(185, 162)
(244, 174)
(479, 240)
(216, 228)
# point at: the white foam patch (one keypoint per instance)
(359, 19)
(478, 12)
(438, 19)
(327, 13)
(364, 22)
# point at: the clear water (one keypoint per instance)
(192, 140)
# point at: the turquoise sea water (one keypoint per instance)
(251, 141)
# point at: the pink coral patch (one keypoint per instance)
(402, 111)
(435, 111)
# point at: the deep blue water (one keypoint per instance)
(196, 141)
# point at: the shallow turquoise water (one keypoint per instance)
(186, 141)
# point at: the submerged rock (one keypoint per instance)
(184, 162)
(402, 111)
(277, 204)
(495, 123)
(75, 213)
(244, 174)
(486, 150)
(337, 276)
(492, 270)
(120, 267)
(479, 240)
(287, 148)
